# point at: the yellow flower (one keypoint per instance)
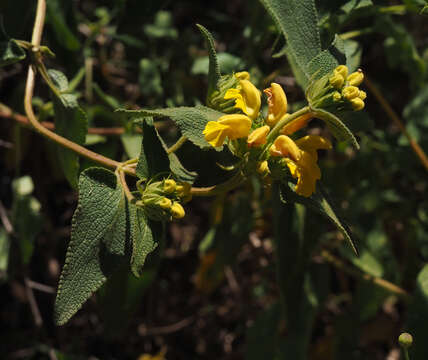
(301, 158)
(169, 186)
(356, 78)
(263, 168)
(242, 75)
(350, 92)
(165, 203)
(357, 104)
(258, 136)
(247, 98)
(177, 211)
(277, 103)
(336, 80)
(234, 126)
(342, 70)
(296, 124)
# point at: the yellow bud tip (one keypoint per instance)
(177, 211)
(350, 92)
(357, 104)
(405, 340)
(169, 186)
(165, 203)
(342, 70)
(362, 95)
(242, 75)
(356, 78)
(337, 81)
(258, 136)
(336, 96)
(277, 103)
(263, 168)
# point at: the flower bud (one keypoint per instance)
(169, 186)
(342, 70)
(362, 95)
(242, 75)
(350, 92)
(177, 211)
(356, 78)
(336, 96)
(357, 104)
(337, 81)
(165, 203)
(405, 340)
(258, 136)
(263, 168)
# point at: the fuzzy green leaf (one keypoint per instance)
(190, 120)
(298, 22)
(320, 202)
(155, 160)
(339, 130)
(97, 226)
(214, 68)
(70, 122)
(146, 234)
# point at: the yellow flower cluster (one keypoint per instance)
(162, 199)
(300, 156)
(347, 86)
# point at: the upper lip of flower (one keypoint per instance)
(247, 98)
(233, 126)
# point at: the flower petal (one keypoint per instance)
(215, 133)
(296, 124)
(258, 136)
(237, 125)
(286, 147)
(277, 103)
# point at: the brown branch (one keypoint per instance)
(341, 265)
(396, 119)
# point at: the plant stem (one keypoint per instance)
(363, 276)
(280, 124)
(177, 145)
(121, 175)
(228, 185)
(355, 33)
(29, 90)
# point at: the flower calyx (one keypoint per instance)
(161, 199)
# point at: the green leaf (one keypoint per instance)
(149, 78)
(4, 253)
(214, 68)
(62, 32)
(298, 22)
(154, 160)
(146, 234)
(10, 51)
(70, 122)
(190, 120)
(228, 64)
(132, 144)
(320, 202)
(339, 130)
(162, 26)
(98, 225)
(26, 217)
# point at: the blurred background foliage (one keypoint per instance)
(213, 294)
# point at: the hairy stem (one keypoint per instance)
(29, 91)
(177, 145)
(338, 263)
(286, 120)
